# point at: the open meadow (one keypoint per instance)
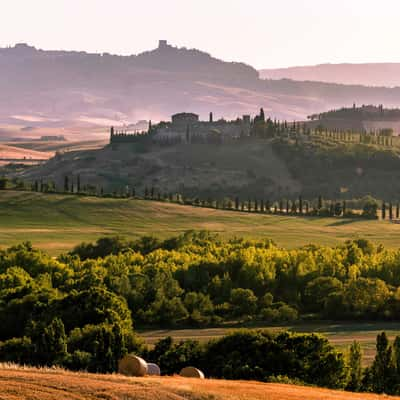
(35, 384)
(57, 222)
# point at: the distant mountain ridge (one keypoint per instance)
(369, 74)
(79, 94)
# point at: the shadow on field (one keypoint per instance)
(344, 222)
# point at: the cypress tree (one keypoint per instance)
(307, 208)
(280, 205)
(397, 210)
(300, 205)
(287, 206)
(152, 193)
(344, 207)
(248, 205)
(383, 368)
(78, 183)
(66, 183)
(262, 206)
(383, 210)
(267, 206)
(396, 351)
(36, 186)
(390, 211)
(236, 203)
(255, 205)
(146, 192)
(320, 203)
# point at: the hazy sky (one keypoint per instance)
(263, 33)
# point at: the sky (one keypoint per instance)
(262, 33)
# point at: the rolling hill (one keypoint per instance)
(77, 94)
(45, 384)
(56, 223)
(373, 74)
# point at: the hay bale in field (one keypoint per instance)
(191, 372)
(132, 365)
(153, 369)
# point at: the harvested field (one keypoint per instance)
(34, 384)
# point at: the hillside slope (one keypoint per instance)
(248, 169)
(56, 223)
(77, 93)
(33, 384)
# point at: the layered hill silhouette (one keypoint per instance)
(370, 74)
(79, 94)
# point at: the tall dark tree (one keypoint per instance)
(390, 210)
(383, 370)
(320, 202)
(262, 115)
(344, 210)
(300, 205)
(236, 203)
(383, 210)
(355, 367)
(78, 183)
(397, 210)
(66, 183)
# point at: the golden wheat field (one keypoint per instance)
(18, 383)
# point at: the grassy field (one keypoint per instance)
(56, 223)
(339, 334)
(49, 384)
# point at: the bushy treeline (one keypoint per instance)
(78, 310)
(257, 355)
(196, 279)
(285, 357)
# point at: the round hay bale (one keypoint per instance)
(131, 365)
(153, 369)
(191, 372)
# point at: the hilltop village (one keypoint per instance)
(187, 127)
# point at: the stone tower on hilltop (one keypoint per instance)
(162, 44)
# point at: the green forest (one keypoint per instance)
(81, 309)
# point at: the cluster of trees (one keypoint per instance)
(78, 310)
(285, 357)
(365, 112)
(257, 355)
(194, 279)
(339, 169)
